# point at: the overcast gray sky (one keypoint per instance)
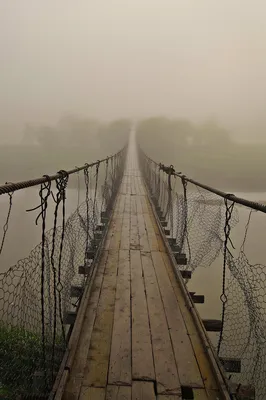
(112, 58)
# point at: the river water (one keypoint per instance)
(23, 234)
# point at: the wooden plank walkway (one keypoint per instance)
(138, 339)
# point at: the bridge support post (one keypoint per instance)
(84, 269)
(212, 325)
(197, 298)
(70, 317)
(171, 241)
(76, 291)
(180, 258)
(185, 274)
(231, 364)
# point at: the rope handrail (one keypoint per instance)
(41, 293)
(228, 196)
(205, 230)
(11, 187)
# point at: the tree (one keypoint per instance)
(77, 131)
(113, 136)
(211, 134)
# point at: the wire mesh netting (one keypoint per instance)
(39, 292)
(221, 243)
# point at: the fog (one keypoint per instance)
(121, 58)
(190, 74)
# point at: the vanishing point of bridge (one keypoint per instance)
(140, 337)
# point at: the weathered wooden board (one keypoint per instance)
(144, 205)
(127, 204)
(153, 243)
(200, 354)
(77, 372)
(120, 360)
(138, 205)
(143, 237)
(143, 391)
(134, 231)
(98, 357)
(125, 236)
(187, 366)
(161, 246)
(116, 233)
(167, 379)
(118, 392)
(142, 366)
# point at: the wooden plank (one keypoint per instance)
(212, 325)
(116, 235)
(187, 366)
(112, 227)
(138, 204)
(70, 317)
(118, 392)
(143, 237)
(144, 205)
(84, 269)
(153, 243)
(231, 364)
(98, 357)
(143, 390)
(125, 236)
(185, 274)
(88, 392)
(197, 298)
(120, 360)
(161, 246)
(127, 204)
(141, 185)
(76, 376)
(200, 353)
(167, 380)
(137, 186)
(142, 367)
(121, 206)
(169, 397)
(134, 231)
(133, 185)
(109, 234)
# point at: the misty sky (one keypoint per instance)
(112, 58)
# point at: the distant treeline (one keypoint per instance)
(72, 141)
(205, 152)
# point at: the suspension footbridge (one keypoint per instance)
(101, 308)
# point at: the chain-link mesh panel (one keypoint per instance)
(213, 233)
(36, 294)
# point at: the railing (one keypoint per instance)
(218, 241)
(40, 293)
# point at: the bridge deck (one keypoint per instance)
(138, 339)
